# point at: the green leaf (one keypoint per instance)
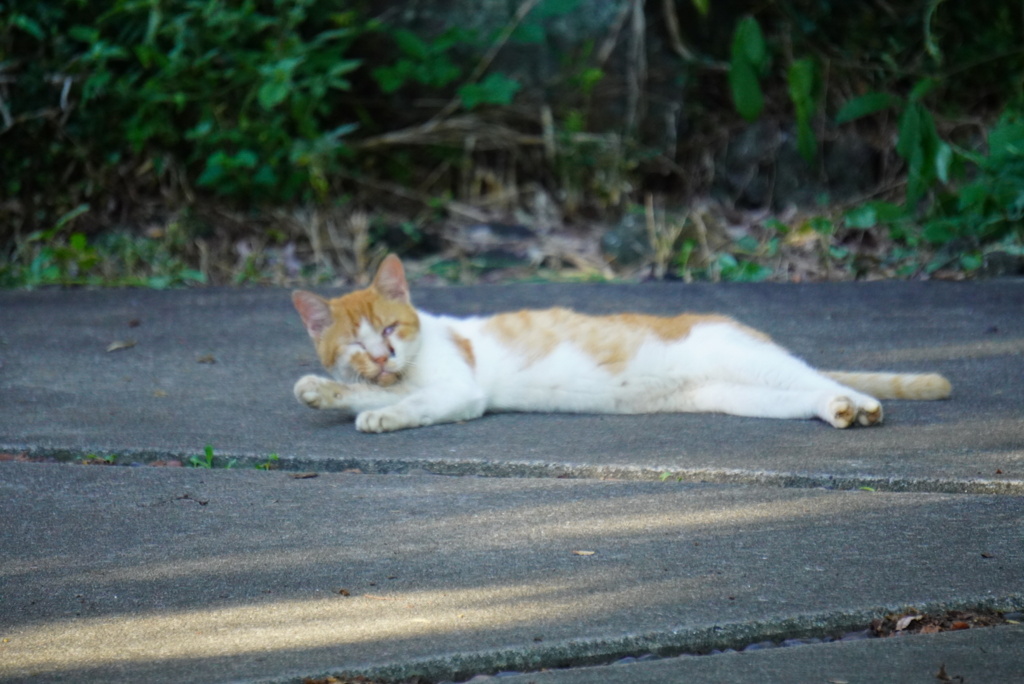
(86, 34)
(390, 78)
(555, 8)
(822, 225)
(941, 231)
(862, 217)
(917, 180)
(971, 261)
(922, 88)
(806, 141)
(69, 217)
(1006, 140)
(748, 44)
(411, 44)
(866, 105)
(973, 197)
(497, 89)
(909, 138)
(888, 212)
(800, 78)
(746, 91)
(28, 25)
(943, 159)
(273, 93)
(529, 34)
(702, 7)
(343, 67)
(246, 159)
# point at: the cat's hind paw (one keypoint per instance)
(319, 393)
(843, 411)
(840, 412)
(869, 412)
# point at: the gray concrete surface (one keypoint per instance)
(976, 656)
(163, 574)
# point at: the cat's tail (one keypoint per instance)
(896, 385)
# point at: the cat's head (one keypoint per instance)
(371, 335)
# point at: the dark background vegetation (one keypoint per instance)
(169, 142)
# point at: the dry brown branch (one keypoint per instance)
(453, 133)
(675, 38)
(605, 51)
(636, 68)
(452, 206)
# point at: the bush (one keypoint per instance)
(239, 98)
(109, 108)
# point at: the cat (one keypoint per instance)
(397, 367)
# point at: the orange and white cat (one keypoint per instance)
(396, 367)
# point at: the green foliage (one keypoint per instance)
(243, 95)
(208, 460)
(421, 62)
(802, 91)
(270, 464)
(743, 262)
(496, 89)
(975, 198)
(984, 201)
(63, 256)
(749, 61)
(257, 103)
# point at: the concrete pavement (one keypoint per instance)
(761, 531)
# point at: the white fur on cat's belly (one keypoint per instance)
(718, 367)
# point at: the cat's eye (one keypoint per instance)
(388, 331)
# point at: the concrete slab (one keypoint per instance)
(979, 656)
(173, 574)
(160, 574)
(61, 390)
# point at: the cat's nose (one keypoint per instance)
(380, 360)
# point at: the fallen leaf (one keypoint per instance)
(134, 323)
(14, 457)
(941, 674)
(960, 624)
(905, 621)
(159, 393)
(987, 555)
(931, 629)
(206, 358)
(118, 345)
(583, 553)
(304, 476)
(344, 592)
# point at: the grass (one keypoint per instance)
(207, 460)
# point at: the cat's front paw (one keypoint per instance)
(319, 393)
(381, 420)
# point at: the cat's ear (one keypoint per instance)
(315, 312)
(390, 280)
